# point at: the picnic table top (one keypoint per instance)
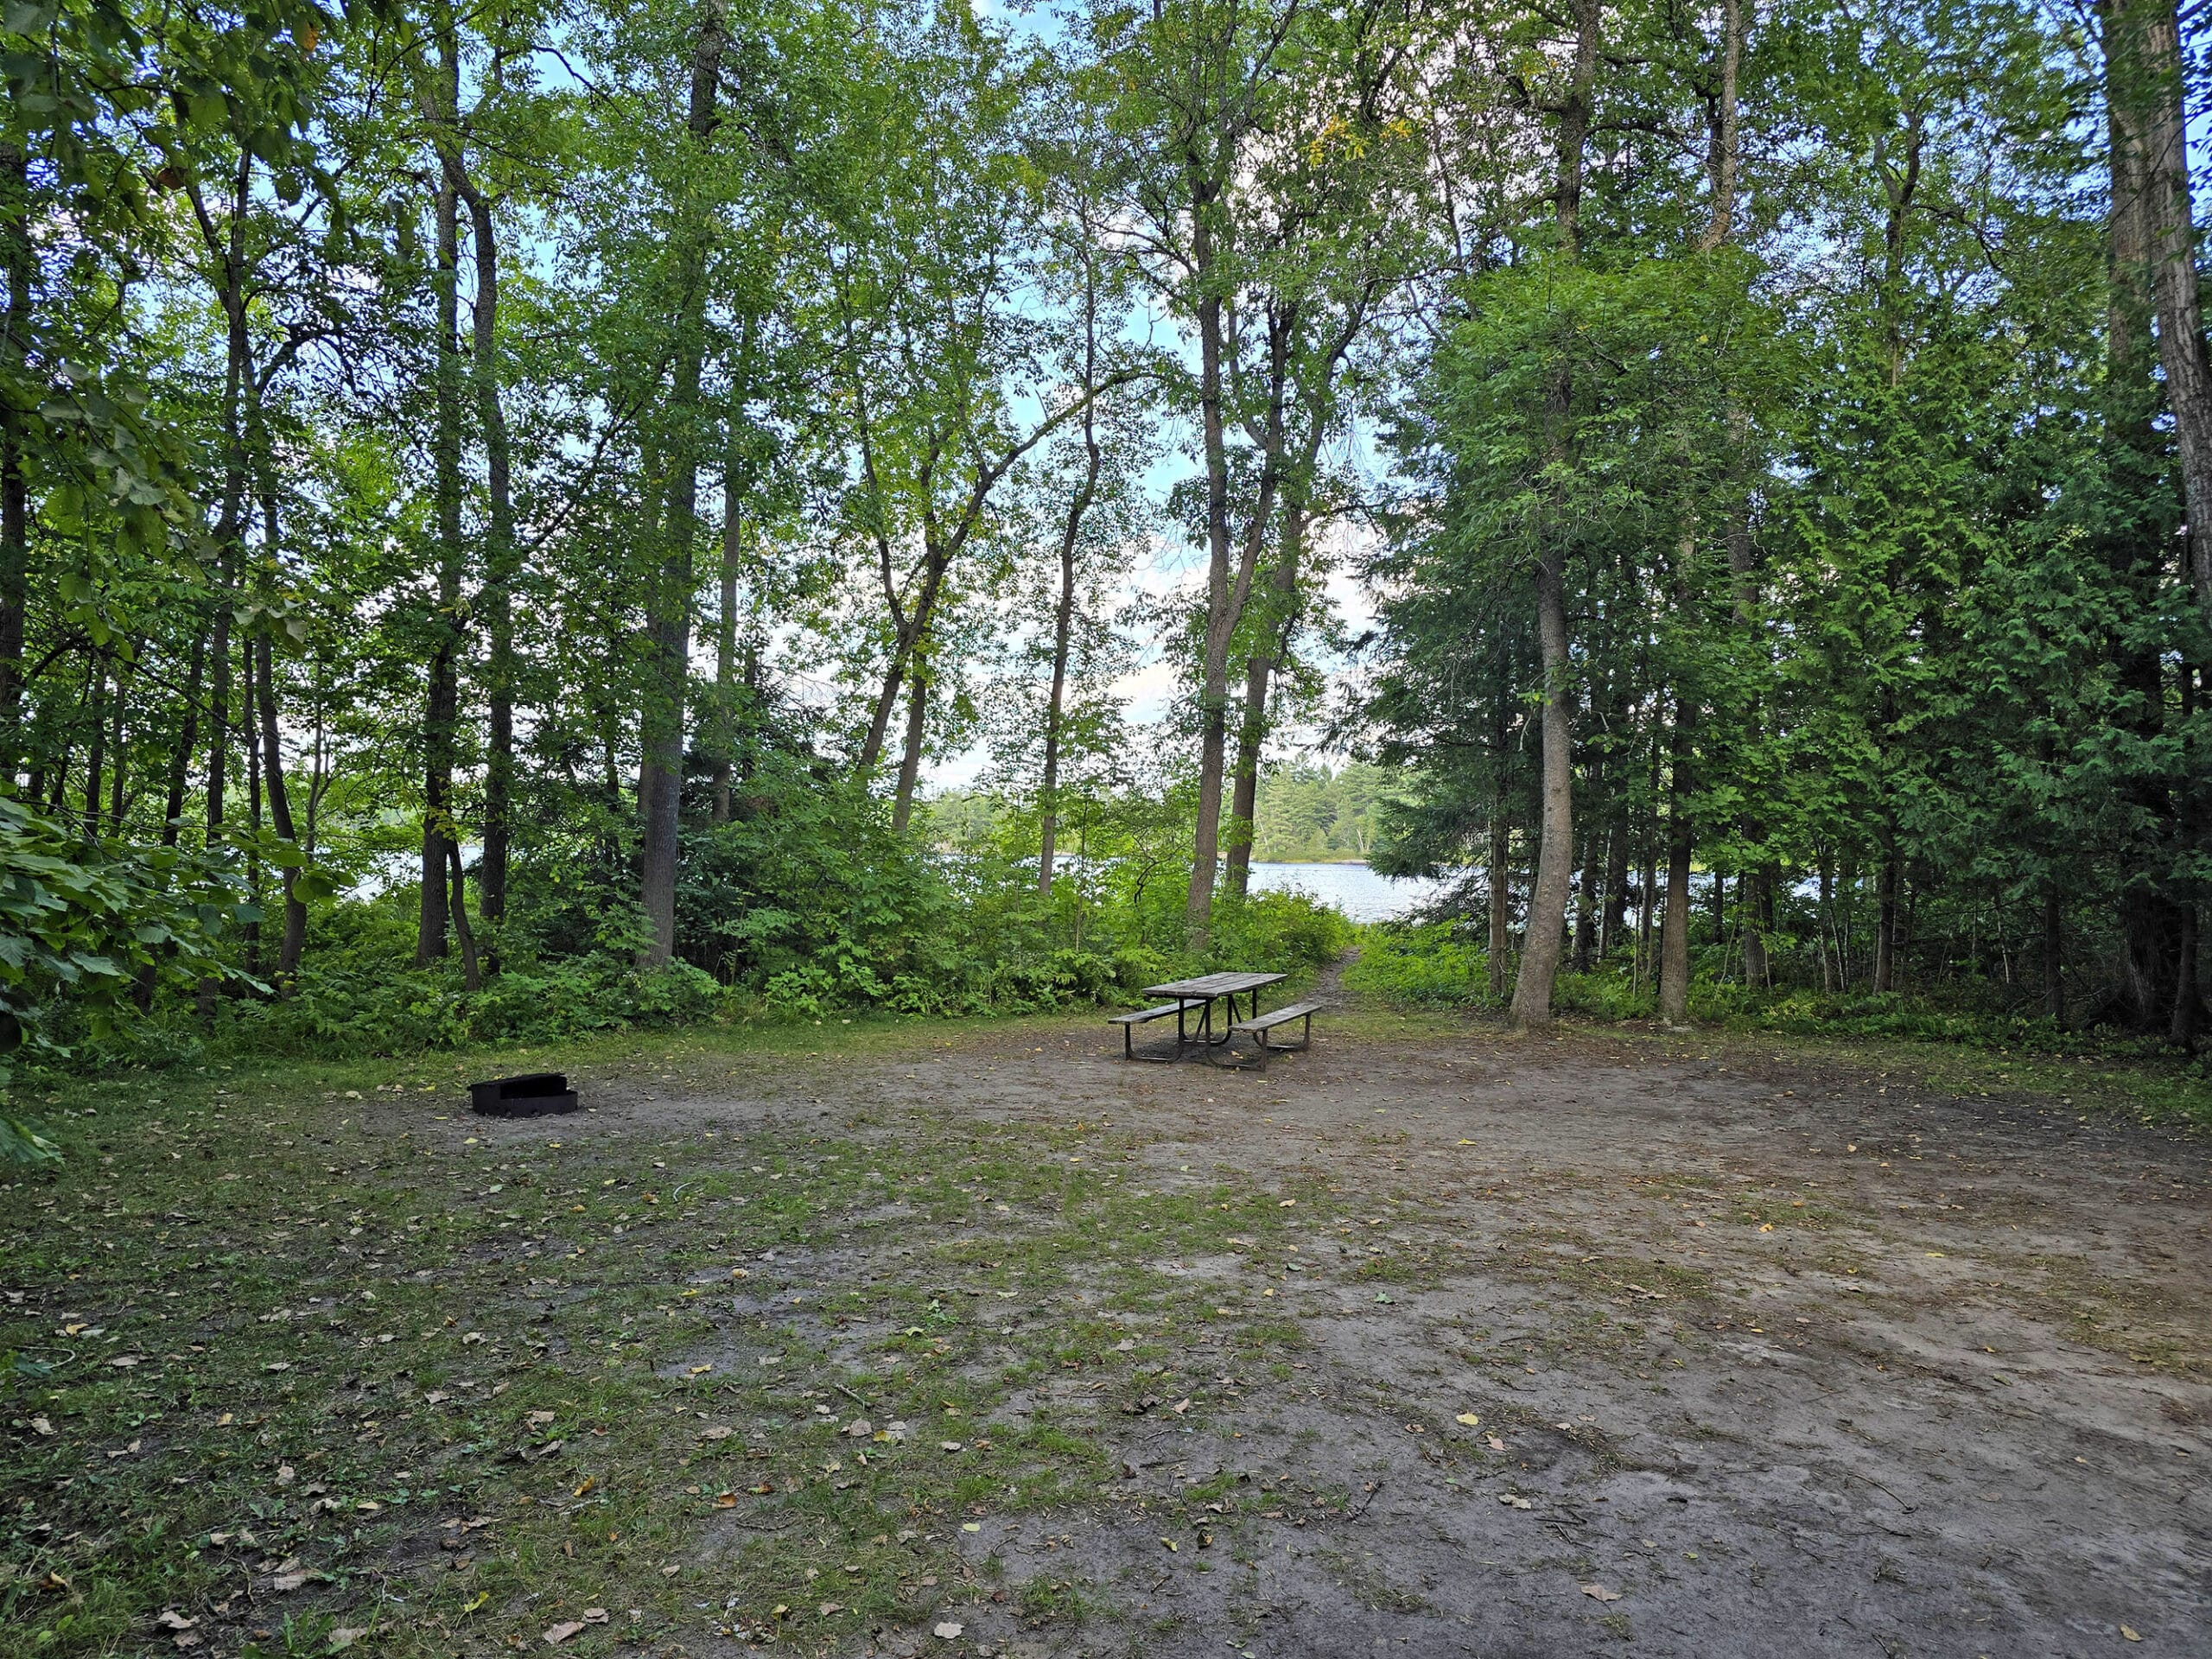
(1209, 985)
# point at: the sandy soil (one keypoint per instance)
(1765, 1359)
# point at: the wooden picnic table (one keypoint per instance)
(1204, 991)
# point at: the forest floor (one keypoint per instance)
(920, 1338)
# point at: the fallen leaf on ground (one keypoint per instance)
(594, 1615)
(563, 1631)
(949, 1630)
(342, 1639)
(40, 1425)
(1468, 1418)
(538, 1419)
(169, 1619)
(1599, 1592)
(2132, 1635)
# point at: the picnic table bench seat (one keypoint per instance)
(1129, 1022)
(1259, 1024)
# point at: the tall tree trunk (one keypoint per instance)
(1497, 884)
(1213, 692)
(1832, 971)
(280, 818)
(726, 628)
(117, 770)
(442, 703)
(1259, 670)
(186, 740)
(15, 252)
(2054, 956)
(661, 777)
(909, 760)
(1532, 987)
(1885, 919)
(250, 725)
(96, 750)
(2188, 1012)
(228, 249)
(1674, 925)
(2143, 38)
(1048, 793)
(472, 972)
(500, 567)
(219, 709)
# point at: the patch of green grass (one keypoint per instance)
(304, 1348)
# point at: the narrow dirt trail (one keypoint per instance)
(1764, 1359)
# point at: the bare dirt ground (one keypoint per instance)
(1762, 1358)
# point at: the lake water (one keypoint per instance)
(1353, 888)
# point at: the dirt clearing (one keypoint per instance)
(1429, 1341)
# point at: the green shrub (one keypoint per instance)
(1427, 964)
(1281, 932)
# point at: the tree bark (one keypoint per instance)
(441, 699)
(1613, 919)
(1259, 670)
(96, 750)
(1885, 919)
(500, 566)
(2188, 1011)
(661, 777)
(2147, 35)
(472, 972)
(1532, 987)
(280, 818)
(1213, 692)
(726, 636)
(1497, 883)
(910, 759)
(15, 251)
(188, 739)
(226, 247)
(1048, 793)
(1316, 401)
(2054, 956)
(117, 770)
(1833, 972)
(1721, 142)
(1674, 925)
